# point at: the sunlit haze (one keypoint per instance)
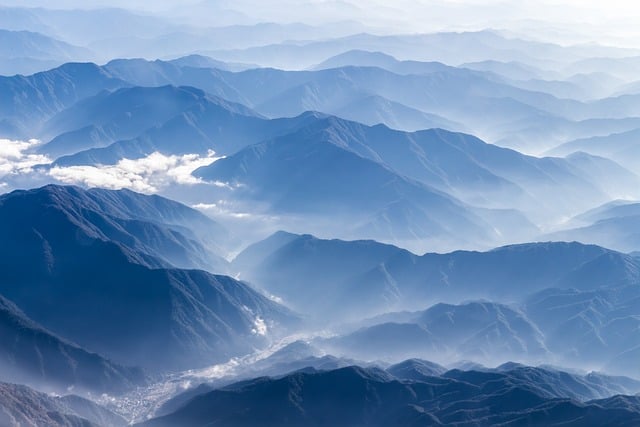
(319, 213)
(611, 22)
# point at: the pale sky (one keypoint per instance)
(569, 21)
(575, 20)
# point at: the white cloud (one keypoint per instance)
(147, 175)
(220, 209)
(205, 206)
(259, 326)
(110, 177)
(17, 157)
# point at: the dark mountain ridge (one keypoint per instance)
(370, 397)
(130, 303)
(32, 355)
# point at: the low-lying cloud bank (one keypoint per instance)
(146, 175)
(18, 158)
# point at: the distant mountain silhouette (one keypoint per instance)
(621, 147)
(30, 100)
(462, 166)
(329, 167)
(342, 277)
(611, 225)
(363, 58)
(27, 52)
(209, 124)
(123, 114)
(478, 331)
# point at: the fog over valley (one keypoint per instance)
(318, 212)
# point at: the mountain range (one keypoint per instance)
(621, 147)
(20, 405)
(459, 209)
(358, 276)
(26, 52)
(495, 108)
(103, 129)
(610, 225)
(30, 100)
(112, 274)
(32, 355)
(476, 331)
(357, 396)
